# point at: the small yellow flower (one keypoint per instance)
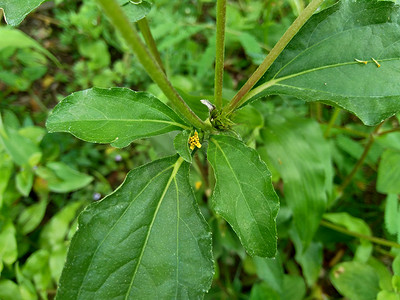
(194, 141)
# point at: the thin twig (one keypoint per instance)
(372, 239)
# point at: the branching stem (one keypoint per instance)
(306, 14)
(130, 35)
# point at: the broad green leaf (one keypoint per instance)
(9, 290)
(389, 173)
(6, 168)
(355, 280)
(37, 269)
(354, 224)
(24, 180)
(31, 216)
(319, 63)
(244, 195)
(297, 150)
(311, 262)
(270, 270)
(262, 291)
(11, 37)
(16, 11)
(117, 116)
(135, 10)
(148, 238)
(21, 149)
(55, 231)
(385, 276)
(181, 144)
(63, 179)
(294, 288)
(392, 214)
(8, 243)
(386, 295)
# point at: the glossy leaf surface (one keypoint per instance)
(297, 150)
(117, 116)
(244, 195)
(319, 63)
(147, 238)
(16, 11)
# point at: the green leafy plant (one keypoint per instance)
(149, 238)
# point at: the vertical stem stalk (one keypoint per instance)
(148, 38)
(273, 55)
(220, 49)
(130, 35)
(332, 121)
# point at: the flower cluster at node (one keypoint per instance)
(194, 141)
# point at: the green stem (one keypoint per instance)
(360, 162)
(306, 14)
(220, 49)
(148, 38)
(372, 239)
(130, 35)
(332, 121)
(389, 131)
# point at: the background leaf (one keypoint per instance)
(389, 173)
(135, 10)
(354, 224)
(148, 237)
(319, 63)
(116, 115)
(355, 280)
(243, 194)
(297, 150)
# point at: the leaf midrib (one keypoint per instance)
(122, 120)
(124, 212)
(273, 82)
(176, 166)
(239, 184)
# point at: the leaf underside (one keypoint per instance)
(319, 63)
(146, 240)
(244, 195)
(117, 116)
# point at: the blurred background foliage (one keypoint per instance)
(47, 179)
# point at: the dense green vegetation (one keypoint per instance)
(333, 233)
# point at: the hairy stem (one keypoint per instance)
(220, 49)
(148, 38)
(130, 35)
(360, 162)
(372, 239)
(306, 14)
